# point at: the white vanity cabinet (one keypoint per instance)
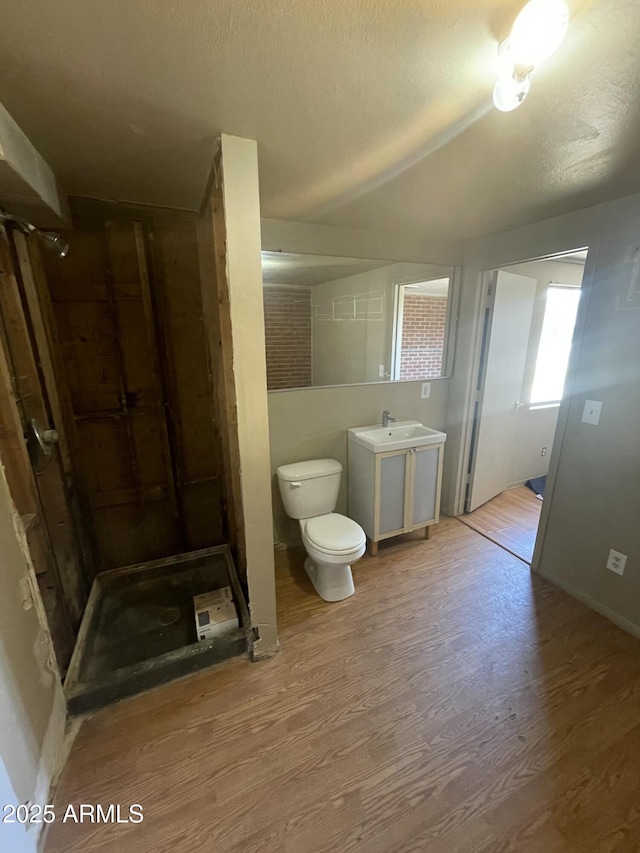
(394, 491)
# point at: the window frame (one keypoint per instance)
(449, 329)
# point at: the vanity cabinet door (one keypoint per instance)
(426, 485)
(396, 491)
(392, 490)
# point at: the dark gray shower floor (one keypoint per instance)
(138, 629)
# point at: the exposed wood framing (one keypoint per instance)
(28, 276)
(62, 606)
(183, 351)
(48, 470)
(217, 318)
(13, 448)
(151, 325)
(40, 313)
(47, 347)
(128, 311)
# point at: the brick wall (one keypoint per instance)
(423, 329)
(287, 324)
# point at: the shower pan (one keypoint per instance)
(138, 630)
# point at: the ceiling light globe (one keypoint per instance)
(509, 93)
(538, 31)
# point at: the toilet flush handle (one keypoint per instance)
(295, 485)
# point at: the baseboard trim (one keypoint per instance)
(515, 485)
(613, 616)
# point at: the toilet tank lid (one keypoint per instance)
(309, 469)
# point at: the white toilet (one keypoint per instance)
(309, 493)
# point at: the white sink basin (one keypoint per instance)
(397, 436)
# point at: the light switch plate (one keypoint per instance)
(591, 412)
(426, 390)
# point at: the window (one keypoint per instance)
(555, 344)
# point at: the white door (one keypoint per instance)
(505, 348)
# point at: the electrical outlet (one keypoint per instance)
(426, 391)
(381, 370)
(591, 412)
(616, 562)
(543, 452)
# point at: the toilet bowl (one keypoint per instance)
(332, 541)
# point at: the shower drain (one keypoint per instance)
(169, 616)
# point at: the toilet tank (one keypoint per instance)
(309, 488)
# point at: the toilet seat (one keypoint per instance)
(334, 534)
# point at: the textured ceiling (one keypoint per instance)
(368, 114)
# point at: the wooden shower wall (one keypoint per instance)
(128, 316)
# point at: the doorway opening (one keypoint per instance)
(527, 334)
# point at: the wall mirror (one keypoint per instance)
(347, 321)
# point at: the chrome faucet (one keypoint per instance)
(387, 418)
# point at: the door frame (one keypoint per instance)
(479, 277)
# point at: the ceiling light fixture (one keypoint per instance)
(537, 32)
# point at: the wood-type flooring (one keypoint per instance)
(455, 703)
